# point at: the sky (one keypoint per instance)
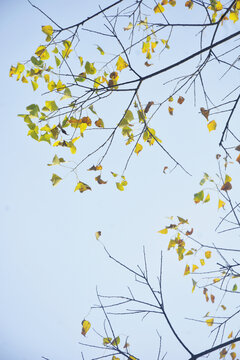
(50, 260)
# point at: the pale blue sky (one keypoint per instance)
(50, 261)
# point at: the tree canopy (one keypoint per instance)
(149, 79)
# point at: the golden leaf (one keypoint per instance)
(85, 327)
(121, 64)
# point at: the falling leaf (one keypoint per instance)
(163, 231)
(138, 148)
(98, 234)
(99, 180)
(204, 112)
(159, 9)
(180, 100)
(85, 327)
(227, 186)
(208, 254)
(170, 110)
(55, 179)
(212, 125)
(210, 322)
(220, 203)
(121, 64)
(81, 186)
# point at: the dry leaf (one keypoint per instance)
(227, 186)
(180, 100)
(204, 112)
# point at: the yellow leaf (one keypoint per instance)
(46, 78)
(218, 6)
(106, 341)
(187, 270)
(212, 125)
(228, 178)
(24, 80)
(34, 85)
(85, 327)
(55, 179)
(163, 231)
(233, 16)
(233, 355)
(130, 25)
(194, 268)
(230, 335)
(121, 64)
(51, 85)
(138, 148)
(233, 346)
(81, 186)
(170, 99)
(42, 53)
(216, 280)
(98, 234)
(119, 186)
(202, 261)
(223, 307)
(220, 203)
(172, 2)
(159, 8)
(194, 285)
(210, 322)
(208, 254)
(48, 30)
(207, 198)
(170, 110)
(189, 4)
(223, 353)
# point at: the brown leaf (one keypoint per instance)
(238, 159)
(147, 64)
(204, 112)
(164, 169)
(99, 123)
(180, 100)
(237, 148)
(86, 120)
(99, 180)
(170, 110)
(212, 298)
(149, 104)
(188, 233)
(95, 168)
(227, 186)
(218, 156)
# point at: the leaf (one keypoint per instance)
(116, 341)
(170, 110)
(182, 221)
(227, 186)
(238, 159)
(119, 186)
(99, 180)
(42, 53)
(234, 287)
(208, 254)
(233, 355)
(223, 353)
(164, 169)
(210, 322)
(194, 268)
(81, 186)
(212, 125)
(187, 270)
(106, 341)
(98, 234)
(198, 197)
(204, 112)
(237, 148)
(170, 99)
(55, 179)
(47, 29)
(149, 104)
(138, 148)
(159, 8)
(100, 50)
(202, 262)
(220, 203)
(67, 44)
(223, 307)
(194, 285)
(85, 327)
(147, 64)
(58, 61)
(24, 80)
(188, 233)
(95, 168)
(99, 123)
(51, 85)
(233, 16)
(121, 64)
(51, 105)
(34, 85)
(207, 198)
(163, 231)
(180, 100)
(130, 25)
(90, 69)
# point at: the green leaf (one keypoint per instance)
(67, 94)
(90, 69)
(198, 197)
(234, 287)
(116, 341)
(101, 50)
(55, 179)
(33, 110)
(51, 105)
(36, 62)
(106, 341)
(58, 61)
